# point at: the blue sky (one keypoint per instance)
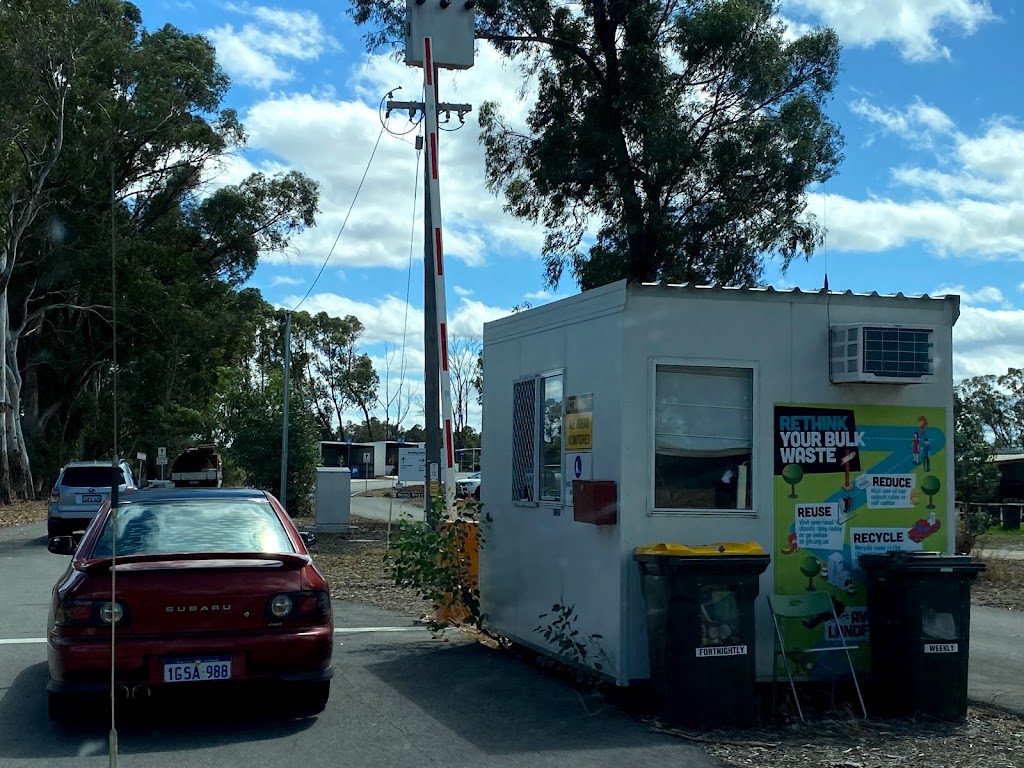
(930, 197)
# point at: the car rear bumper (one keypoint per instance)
(82, 665)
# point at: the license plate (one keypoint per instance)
(92, 497)
(208, 669)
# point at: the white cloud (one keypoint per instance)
(986, 295)
(286, 280)
(331, 140)
(460, 291)
(920, 123)
(392, 341)
(252, 54)
(390, 320)
(544, 296)
(987, 341)
(969, 202)
(910, 25)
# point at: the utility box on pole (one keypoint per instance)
(449, 25)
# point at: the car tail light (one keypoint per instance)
(54, 495)
(91, 613)
(299, 605)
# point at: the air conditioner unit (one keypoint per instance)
(881, 354)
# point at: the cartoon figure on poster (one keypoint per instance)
(871, 479)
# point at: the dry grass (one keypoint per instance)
(355, 569)
(988, 738)
(22, 512)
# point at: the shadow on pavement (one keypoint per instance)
(26, 731)
(501, 704)
(13, 546)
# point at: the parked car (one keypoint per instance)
(81, 489)
(468, 486)
(215, 589)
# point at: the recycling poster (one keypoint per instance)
(849, 481)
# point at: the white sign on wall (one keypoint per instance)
(412, 464)
(578, 466)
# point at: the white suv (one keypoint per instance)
(80, 491)
(469, 486)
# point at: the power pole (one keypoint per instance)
(287, 397)
(439, 35)
(435, 370)
(431, 379)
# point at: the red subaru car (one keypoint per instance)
(214, 589)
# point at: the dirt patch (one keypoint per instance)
(988, 738)
(1000, 585)
(22, 512)
(355, 568)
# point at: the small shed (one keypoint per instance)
(336, 453)
(818, 425)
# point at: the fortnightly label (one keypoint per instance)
(721, 650)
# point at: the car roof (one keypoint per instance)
(174, 494)
(92, 463)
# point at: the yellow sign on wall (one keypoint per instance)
(579, 423)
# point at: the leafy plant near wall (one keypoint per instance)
(429, 558)
(575, 649)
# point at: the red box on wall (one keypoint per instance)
(594, 501)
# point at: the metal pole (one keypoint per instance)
(431, 379)
(447, 464)
(287, 397)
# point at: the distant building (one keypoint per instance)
(1011, 475)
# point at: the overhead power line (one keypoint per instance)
(343, 223)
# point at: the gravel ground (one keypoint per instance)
(354, 567)
(988, 738)
(1001, 584)
(21, 512)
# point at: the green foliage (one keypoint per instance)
(337, 376)
(977, 477)
(143, 124)
(252, 417)
(558, 629)
(427, 557)
(688, 132)
(997, 402)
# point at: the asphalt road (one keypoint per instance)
(399, 698)
(997, 657)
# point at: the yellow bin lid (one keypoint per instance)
(702, 550)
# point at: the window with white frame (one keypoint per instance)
(703, 437)
(537, 426)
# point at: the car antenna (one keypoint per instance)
(114, 484)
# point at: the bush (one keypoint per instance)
(429, 558)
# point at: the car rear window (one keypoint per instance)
(89, 477)
(198, 526)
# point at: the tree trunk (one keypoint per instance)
(6, 491)
(21, 470)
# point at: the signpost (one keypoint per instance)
(161, 459)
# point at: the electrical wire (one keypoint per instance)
(383, 115)
(408, 280)
(345, 222)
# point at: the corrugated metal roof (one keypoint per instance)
(999, 458)
(796, 290)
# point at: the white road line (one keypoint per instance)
(354, 630)
(337, 631)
